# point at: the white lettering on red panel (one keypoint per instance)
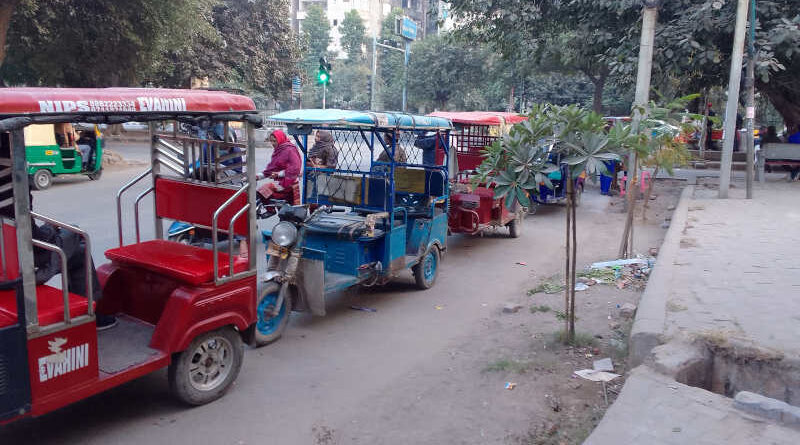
(62, 362)
(144, 104)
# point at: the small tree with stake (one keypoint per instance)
(522, 161)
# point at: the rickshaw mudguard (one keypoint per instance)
(191, 311)
(311, 280)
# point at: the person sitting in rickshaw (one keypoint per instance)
(283, 169)
(399, 153)
(323, 154)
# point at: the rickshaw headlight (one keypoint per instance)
(284, 234)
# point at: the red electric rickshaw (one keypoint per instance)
(474, 210)
(177, 306)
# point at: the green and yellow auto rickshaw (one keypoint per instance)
(62, 149)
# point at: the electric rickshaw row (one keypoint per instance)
(381, 210)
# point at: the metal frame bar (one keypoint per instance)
(119, 200)
(136, 209)
(64, 267)
(22, 210)
(231, 235)
(214, 234)
(87, 252)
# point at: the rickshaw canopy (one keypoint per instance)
(116, 105)
(480, 117)
(369, 119)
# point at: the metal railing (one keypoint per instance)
(119, 204)
(231, 234)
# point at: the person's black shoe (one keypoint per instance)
(105, 322)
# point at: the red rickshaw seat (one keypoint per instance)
(49, 305)
(189, 264)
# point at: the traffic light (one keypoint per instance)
(324, 73)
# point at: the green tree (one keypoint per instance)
(390, 65)
(353, 37)
(351, 88)
(695, 43)
(550, 32)
(7, 8)
(316, 36)
(96, 42)
(522, 160)
(442, 71)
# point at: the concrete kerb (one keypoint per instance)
(649, 324)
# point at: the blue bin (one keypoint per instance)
(605, 181)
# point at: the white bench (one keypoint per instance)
(777, 154)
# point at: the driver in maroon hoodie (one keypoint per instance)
(283, 169)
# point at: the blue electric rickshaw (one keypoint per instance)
(381, 211)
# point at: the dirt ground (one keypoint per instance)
(512, 381)
(428, 367)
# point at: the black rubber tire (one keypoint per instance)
(419, 272)
(179, 372)
(578, 195)
(42, 179)
(515, 226)
(261, 339)
(94, 176)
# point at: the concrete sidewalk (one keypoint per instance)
(720, 313)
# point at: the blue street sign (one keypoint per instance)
(408, 29)
(297, 87)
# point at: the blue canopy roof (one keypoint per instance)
(372, 119)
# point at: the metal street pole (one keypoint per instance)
(733, 98)
(324, 90)
(374, 72)
(405, 73)
(751, 98)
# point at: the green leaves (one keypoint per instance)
(566, 134)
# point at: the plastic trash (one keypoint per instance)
(603, 364)
(581, 286)
(621, 262)
(510, 385)
(363, 308)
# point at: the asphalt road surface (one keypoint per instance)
(325, 370)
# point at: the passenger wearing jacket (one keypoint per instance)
(283, 169)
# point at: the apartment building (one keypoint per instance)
(426, 13)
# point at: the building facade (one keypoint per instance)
(428, 14)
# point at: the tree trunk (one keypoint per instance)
(6, 12)
(571, 209)
(568, 263)
(599, 85)
(786, 101)
(569, 291)
(648, 193)
(627, 243)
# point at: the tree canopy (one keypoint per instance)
(601, 38)
(353, 34)
(93, 43)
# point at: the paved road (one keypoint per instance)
(324, 370)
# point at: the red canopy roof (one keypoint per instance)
(480, 117)
(42, 101)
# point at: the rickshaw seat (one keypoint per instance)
(49, 305)
(188, 264)
(342, 226)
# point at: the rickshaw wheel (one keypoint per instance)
(94, 176)
(515, 226)
(426, 271)
(207, 368)
(267, 330)
(42, 179)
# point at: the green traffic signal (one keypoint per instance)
(323, 77)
